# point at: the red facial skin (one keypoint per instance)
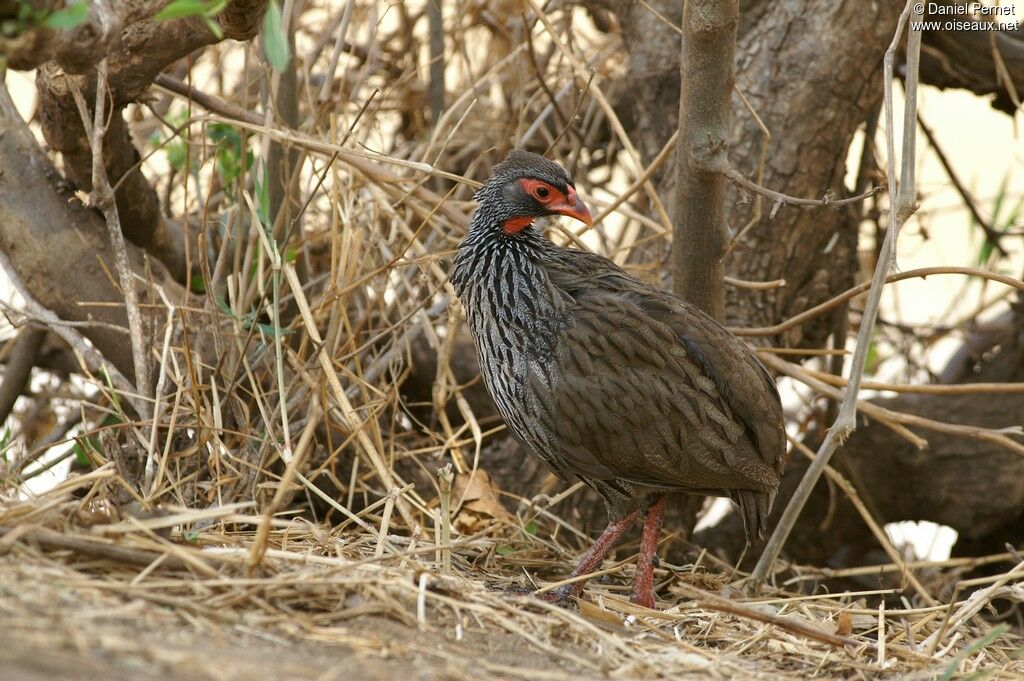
(553, 200)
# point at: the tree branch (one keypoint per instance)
(981, 61)
(19, 367)
(141, 49)
(783, 199)
(707, 73)
(56, 245)
(102, 197)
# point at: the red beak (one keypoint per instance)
(573, 207)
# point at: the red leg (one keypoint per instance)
(643, 582)
(593, 557)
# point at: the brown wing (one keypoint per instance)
(651, 390)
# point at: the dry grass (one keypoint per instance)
(290, 486)
(158, 586)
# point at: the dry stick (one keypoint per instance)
(259, 543)
(149, 472)
(738, 177)
(754, 285)
(385, 521)
(711, 601)
(707, 71)
(927, 389)
(102, 197)
(347, 412)
(972, 606)
(876, 529)
(444, 480)
(898, 421)
(904, 203)
(52, 539)
(855, 291)
(435, 21)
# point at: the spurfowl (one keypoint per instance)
(625, 386)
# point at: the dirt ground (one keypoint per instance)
(93, 611)
(28, 654)
(52, 630)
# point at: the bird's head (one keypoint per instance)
(526, 186)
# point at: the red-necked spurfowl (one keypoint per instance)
(627, 387)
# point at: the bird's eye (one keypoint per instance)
(543, 192)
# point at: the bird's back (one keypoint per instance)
(645, 389)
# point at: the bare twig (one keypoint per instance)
(899, 421)
(444, 483)
(435, 20)
(926, 389)
(102, 197)
(855, 291)
(903, 204)
(72, 336)
(780, 198)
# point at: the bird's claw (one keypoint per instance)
(558, 596)
(644, 601)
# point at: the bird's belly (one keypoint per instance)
(507, 380)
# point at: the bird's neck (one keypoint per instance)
(501, 280)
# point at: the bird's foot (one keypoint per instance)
(560, 595)
(644, 600)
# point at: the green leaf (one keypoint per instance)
(530, 529)
(215, 8)
(91, 443)
(504, 550)
(988, 246)
(197, 283)
(261, 182)
(72, 15)
(229, 153)
(181, 8)
(224, 132)
(214, 27)
(270, 330)
(177, 153)
(872, 358)
(275, 42)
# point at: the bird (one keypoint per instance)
(608, 379)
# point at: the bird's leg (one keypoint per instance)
(643, 581)
(593, 557)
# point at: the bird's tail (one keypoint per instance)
(754, 509)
